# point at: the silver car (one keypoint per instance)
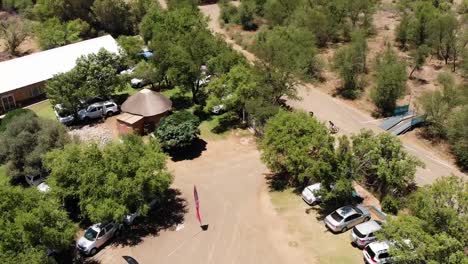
(63, 115)
(96, 236)
(346, 217)
(364, 233)
(98, 110)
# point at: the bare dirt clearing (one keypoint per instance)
(243, 225)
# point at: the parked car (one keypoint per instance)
(138, 83)
(34, 180)
(309, 194)
(43, 187)
(92, 100)
(377, 252)
(346, 217)
(364, 233)
(98, 110)
(96, 236)
(63, 115)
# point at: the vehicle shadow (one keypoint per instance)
(166, 214)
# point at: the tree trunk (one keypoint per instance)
(411, 73)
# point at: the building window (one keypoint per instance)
(8, 102)
(36, 91)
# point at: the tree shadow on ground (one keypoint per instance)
(189, 153)
(227, 121)
(277, 182)
(167, 213)
(181, 101)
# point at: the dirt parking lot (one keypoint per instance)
(243, 225)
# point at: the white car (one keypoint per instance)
(346, 217)
(377, 252)
(96, 236)
(43, 187)
(364, 233)
(309, 194)
(34, 180)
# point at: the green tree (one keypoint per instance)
(316, 21)
(420, 25)
(93, 75)
(383, 163)
(419, 57)
(403, 31)
(113, 16)
(390, 81)
(107, 184)
(233, 89)
(178, 130)
(31, 224)
(14, 31)
(458, 136)
(297, 146)
(16, 5)
(278, 11)
(182, 46)
(131, 46)
(338, 187)
(52, 33)
(24, 142)
(439, 105)
(444, 31)
(350, 62)
(435, 225)
(246, 15)
(11, 115)
(290, 49)
(47, 9)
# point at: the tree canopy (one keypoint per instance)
(297, 145)
(93, 75)
(390, 81)
(26, 139)
(178, 130)
(435, 226)
(32, 223)
(290, 49)
(383, 163)
(106, 184)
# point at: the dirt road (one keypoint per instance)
(243, 225)
(347, 118)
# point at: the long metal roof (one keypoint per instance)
(41, 66)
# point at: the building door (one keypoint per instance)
(8, 102)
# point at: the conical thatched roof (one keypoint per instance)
(147, 103)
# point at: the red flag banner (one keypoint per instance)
(197, 203)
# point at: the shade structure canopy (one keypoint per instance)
(147, 103)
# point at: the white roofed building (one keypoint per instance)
(22, 79)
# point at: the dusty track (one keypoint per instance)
(349, 119)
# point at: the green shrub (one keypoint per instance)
(12, 114)
(229, 13)
(391, 204)
(178, 130)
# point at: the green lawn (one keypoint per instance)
(207, 126)
(43, 109)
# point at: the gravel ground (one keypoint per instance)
(97, 133)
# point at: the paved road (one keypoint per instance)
(347, 118)
(243, 225)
